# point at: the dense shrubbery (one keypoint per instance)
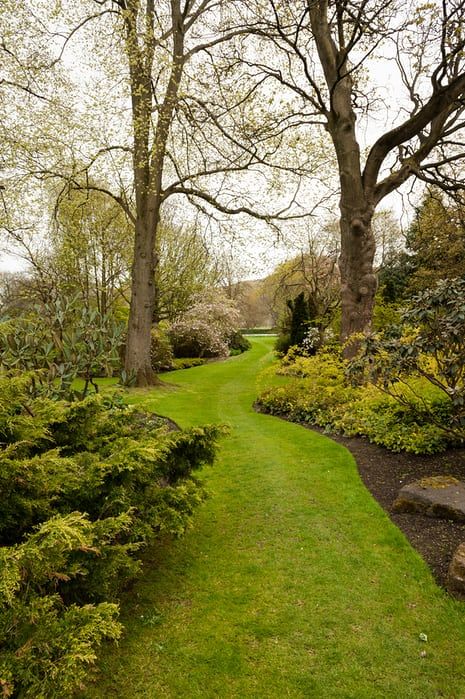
(282, 343)
(428, 341)
(61, 340)
(83, 487)
(187, 362)
(295, 324)
(207, 329)
(259, 331)
(238, 343)
(406, 388)
(195, 337)
(319, 393)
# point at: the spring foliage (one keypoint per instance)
(61, 340)
(405, 390)
(427, 342)
(320, 393)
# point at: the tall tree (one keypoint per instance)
(172, 102)
(186, 267)
(321, 50)
(436, 242)
(197, 121)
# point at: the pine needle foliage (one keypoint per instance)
(84, 486)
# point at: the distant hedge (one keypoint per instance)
(259, 331)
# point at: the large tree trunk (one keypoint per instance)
(138, 359)
(148, 163)
(358, 281)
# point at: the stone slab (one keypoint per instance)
(435, 496)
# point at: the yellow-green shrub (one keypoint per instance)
(47, 645)
(319, 393)
(61, 570)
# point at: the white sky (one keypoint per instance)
(10, 263)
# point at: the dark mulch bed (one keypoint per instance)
(384, 473)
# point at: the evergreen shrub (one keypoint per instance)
(238, 343)
(84, 486)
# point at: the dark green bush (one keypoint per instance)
(258, 331)
(238, 343)
(62, 570)
(187, 362)
(282, 343)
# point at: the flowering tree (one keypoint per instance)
(207, 328)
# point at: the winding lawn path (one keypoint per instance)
(292, 583)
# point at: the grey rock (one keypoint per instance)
(456, 575)
(436, 496)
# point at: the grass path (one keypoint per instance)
(293, 582)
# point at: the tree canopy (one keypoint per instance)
(148, 103)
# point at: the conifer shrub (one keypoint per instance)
(282, 343)
(84, 487)
(46, 643)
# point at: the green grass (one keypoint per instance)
(293, 582)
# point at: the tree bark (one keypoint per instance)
(138, 360)
(358, 281)
(148, 175)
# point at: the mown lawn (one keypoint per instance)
(292, 583)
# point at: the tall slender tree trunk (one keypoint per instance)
(148, 164)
